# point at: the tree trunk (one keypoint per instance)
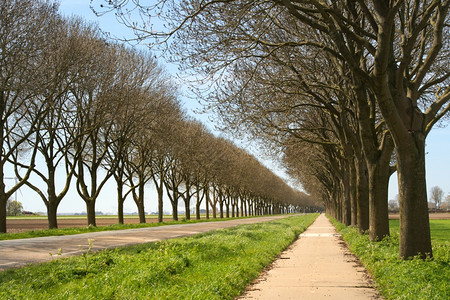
(221, 206)
(414, 220)
(207, 202)
(353, 199)
(160, 203)
(52, 200)
(160, 190)
(52, 208)
(140, 201)
(233, 205)
(90, 211)
(362, 195)
(175, 209)
(379, 174)
(3, 201)
(346, 207)
(141, 211)
(197, 211)
(187, 203)
(120, 201)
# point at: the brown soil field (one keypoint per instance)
(22, 225)
(433, 216)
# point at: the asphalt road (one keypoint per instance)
(17, 253)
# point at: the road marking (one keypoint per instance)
(9, 263)
(318, 234)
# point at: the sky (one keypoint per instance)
(437, 145)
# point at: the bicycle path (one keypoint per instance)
(318, 265)
(16, 253)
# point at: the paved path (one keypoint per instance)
(316, 266)
(16, 253)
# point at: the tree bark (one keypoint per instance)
(346, 206)
(175, 208)
(187, 203)
(160, 190)
(415, 236)
(233, 206)
(221, 205)
(175, 211)
(52, 208)
(141, 211)
(90, 211)
(3, 201)
(379, 174)
(120, 201)
(362, 196)
(353, 199)
(139, 200)
(160, 203)
(206, 190)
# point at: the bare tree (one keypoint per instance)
(447, 202)
(53, 142)
(22, 38)
(93, 123)
(436, 196)
(144, 101)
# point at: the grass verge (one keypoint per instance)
(404, 279)
(78, 230)
(213, 265)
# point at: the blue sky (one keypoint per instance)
(438, 141)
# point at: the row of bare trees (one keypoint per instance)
(77, 109)
(348, 89)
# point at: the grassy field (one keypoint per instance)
(78, 230)
(440, 229)
(404, 279)
(214, 265)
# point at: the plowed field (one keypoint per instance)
(433, 216)
(21, 225)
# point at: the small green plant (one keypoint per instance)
(86, 255)
(59, 253)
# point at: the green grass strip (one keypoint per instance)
(78, 230)
(214, 265)
(404, 279)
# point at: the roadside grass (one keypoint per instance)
(214, 265)
(404, 279)
(86, 229)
